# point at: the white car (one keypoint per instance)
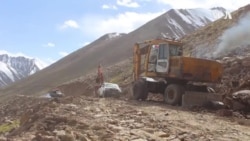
(109, 90)
(56, 93)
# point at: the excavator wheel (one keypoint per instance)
(173, 94)
(140, 90)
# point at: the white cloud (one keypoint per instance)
(228, 4)
(121, 23)
(127, 3)
(50, 45)
(69, 24)
(105, 6)
(62, 53)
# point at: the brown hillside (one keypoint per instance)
(86, 59)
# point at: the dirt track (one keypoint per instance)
(87, 118)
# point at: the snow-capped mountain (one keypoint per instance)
(13, 68)
(179, 22)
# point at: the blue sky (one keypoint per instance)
(51, 29)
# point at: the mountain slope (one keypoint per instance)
(179, 22)
(107, 52)
(230, 32)
(13, 68)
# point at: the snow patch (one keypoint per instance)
(40, 64)
(113, 35)
(199, 16)
(6, 69)
(178, 31)
(187, 20)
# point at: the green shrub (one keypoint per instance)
(6, 127)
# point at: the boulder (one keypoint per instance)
(242, 96)
(238, 106)
(246, 63)
(3, 138)
(225, 113)
(67, 137)
(234, 69)
(40, 137)
(247, 58)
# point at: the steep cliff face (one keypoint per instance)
(13, 68)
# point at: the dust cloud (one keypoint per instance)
(236, 37)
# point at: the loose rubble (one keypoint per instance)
(236, 81)
(87, 118)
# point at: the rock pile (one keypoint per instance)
(235, 79)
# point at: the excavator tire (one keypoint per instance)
(140, 90)
(173, 94)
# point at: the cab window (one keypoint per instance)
(163, 51)
(175, 50)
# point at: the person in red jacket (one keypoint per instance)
(99, 78)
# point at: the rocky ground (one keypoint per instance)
(91, 119)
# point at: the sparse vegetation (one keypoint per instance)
(6, 127)
(117, 78)
(120, 77)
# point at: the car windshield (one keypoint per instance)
(110, 85)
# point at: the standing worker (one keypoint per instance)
(99, 79)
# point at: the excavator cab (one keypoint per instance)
(159, 56)
(153, 57)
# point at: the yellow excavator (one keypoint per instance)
(160, 67)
